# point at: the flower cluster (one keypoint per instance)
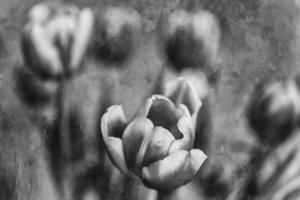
(158, 144)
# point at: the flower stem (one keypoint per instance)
(163, 195)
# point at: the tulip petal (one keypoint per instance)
(163, 112)
(198, 80)
(39, 13)
(39, 52)
(112, 123)
(203, 124)
(174, 170)
(158, 146)
(114, 148)
(144, 109)
(185, 127)
(81, 37)
(175, 89)
(180, 91)
(135, 139)
(183, 110)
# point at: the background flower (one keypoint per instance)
(55, 38)
(190, 39)
(115, 33)
(273, 110)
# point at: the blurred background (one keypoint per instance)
(259, 40)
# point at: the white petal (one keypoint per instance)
(39, 13)
(82, 37)
(144, 109)
(114, 120)
(187, 131)
(42, 51)
(135, 140)
(174, 170)
(115, 151)
(180, 91)
(159, 145)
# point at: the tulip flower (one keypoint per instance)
(274, 110)
(54, 43)
(273, 114)
(55, 39)
(157, 145)
(116, 29)
(190, 39)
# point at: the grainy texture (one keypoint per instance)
(259, 41)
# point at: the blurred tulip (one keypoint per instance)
(274, 110)
(190, 39)
(274, 170)
(157, 145)
(55, 38)
(115, 34)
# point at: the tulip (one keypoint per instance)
(274, 110)
(54, 43)
(273, 113)
(157, 145)
(116, 30)
(275, 173)
(55, 39)
(190, 39)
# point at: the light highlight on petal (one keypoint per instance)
(135, 138)
(174, 170)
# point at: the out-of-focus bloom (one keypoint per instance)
(273, 114)
(55, 38)
(190, 39)
(115, 33)
(274, 110)
(157, 145)
(275, 173)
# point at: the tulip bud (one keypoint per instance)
(190, 39)
(115, 34)
(55, 39)
(274, 109)
(32, 90)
